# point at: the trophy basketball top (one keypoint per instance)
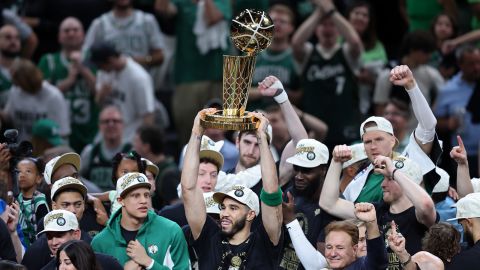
(251, 31)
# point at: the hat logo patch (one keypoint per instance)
(399, 164)
(61, 221)
(310, 155)
(304, 149)
(140, 179)
(52, 217)
(238, 193)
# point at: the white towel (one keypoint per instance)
(209, 37)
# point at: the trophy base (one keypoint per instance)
(219, 121)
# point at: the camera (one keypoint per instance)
(18, 150)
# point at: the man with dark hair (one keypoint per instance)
(132, 234)
(125, 83)
(234, 245)
(149, 143)
(9, 50)
(67, 194)
(61, 226)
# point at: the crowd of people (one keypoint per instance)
(365, 154)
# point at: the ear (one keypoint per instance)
(393, 141)
(237, 141)
(77, 234)
(355, 249)
(120, 201)
(250, 215)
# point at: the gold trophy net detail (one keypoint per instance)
(251, 32)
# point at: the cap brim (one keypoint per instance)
(302, 163)
(68, 158)
(214, 155)
(219, 196)
(153, 169)
(82, 189)
(139, 185)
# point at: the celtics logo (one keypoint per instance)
(140, 179)
(310, 155)
(399, 164)
(235, 261)
(61, 221)
(238, 193)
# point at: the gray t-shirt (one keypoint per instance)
(25, 109)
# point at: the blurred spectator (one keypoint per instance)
(149, 143)
(45, 17)
(132, 32)
(125, 83)
(443, 29)
(45, 135)
(457, 105)
(420, 14)
(197, 68)
(75, 80)
(416, 50)
(374, 56)
(357, 163)
(277, 60)
(9, 51)
(97, 157)
(11, 245)
(398, 113)
(328, 65)
(27, 36)
(31, 98)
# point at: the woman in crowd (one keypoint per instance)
(76, 254)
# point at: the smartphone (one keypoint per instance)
(10, 197)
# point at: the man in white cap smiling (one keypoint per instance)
(468, 214)
(136, 235)
(234, 245)
(61, 226)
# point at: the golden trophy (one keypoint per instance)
(251, 32)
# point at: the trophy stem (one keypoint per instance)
(237, 79)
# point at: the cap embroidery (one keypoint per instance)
(310, 155)
(61, 221)
(53, 217)
(399, 164)
(238, 193)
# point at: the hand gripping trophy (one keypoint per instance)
(251, 32)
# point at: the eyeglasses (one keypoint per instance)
(113, 121)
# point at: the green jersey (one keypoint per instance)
(372, 191)
(279, 64)
(5, 84)
(81, 100)
(30, 209)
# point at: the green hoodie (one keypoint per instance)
(163, 241)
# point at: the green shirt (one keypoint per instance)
(372, 190)
(28, 214)
(83, 109)
(422, 12)
(190, 65)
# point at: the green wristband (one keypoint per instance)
(271, 199)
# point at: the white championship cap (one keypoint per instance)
(59, 221)
(241, 194)
(309, 153)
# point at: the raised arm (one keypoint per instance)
(165, 8)
(272, 87)
(376, 252)
(271, 215)
(425, 130)
(330, 200)
(194, 204)
(450, 45)
(459, 154)
(303, 34)
(424, 206)
(309, 256)
(396, 242)
(347, 31)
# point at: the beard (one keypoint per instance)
(308, 190)
(10, 54)
(236, 227)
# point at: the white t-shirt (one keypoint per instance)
(135, 35)
(25, 109)
(132, 92)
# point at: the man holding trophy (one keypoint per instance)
(236, 244)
